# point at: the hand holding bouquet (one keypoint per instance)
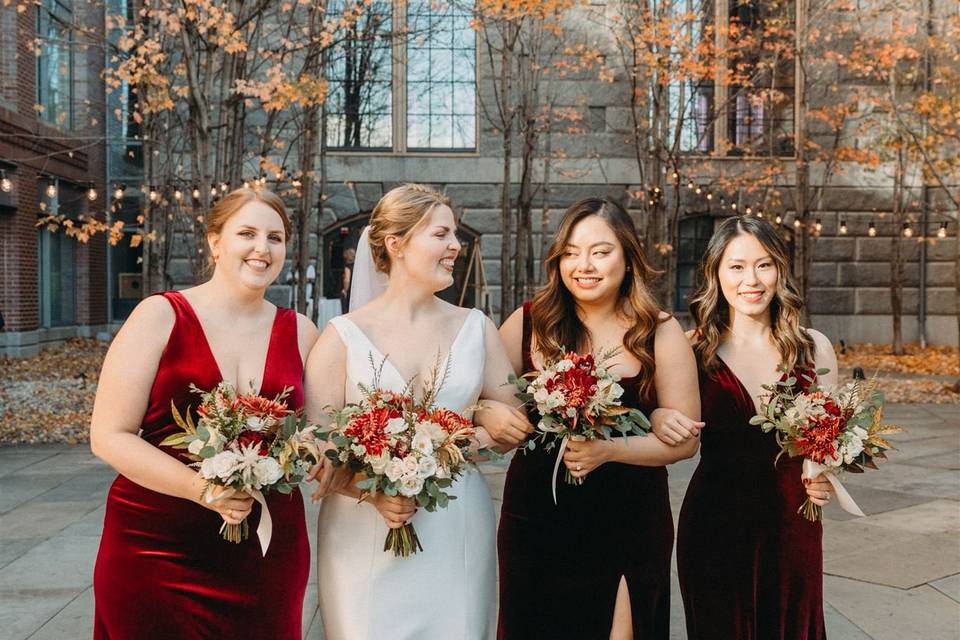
(245, 443)
(404, 447)
(832, 430)
(578, 398)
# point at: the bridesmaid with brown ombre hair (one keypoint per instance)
(597, 563)
(163, 570)
(750, 566)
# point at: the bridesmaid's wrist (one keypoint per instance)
(614, 448)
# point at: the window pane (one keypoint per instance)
(55, 63)
(360, 102)
(441, 76)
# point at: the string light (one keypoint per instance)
(51, 189)
(818, 225)
(213, 192)
(224, 187)
(871, 229)
(154, 196)
(91, 194)
(748, 210)
(709, 196)
(178, 195)
(196, 193)
(5, 183)
(907, 230)
(843, 227)
(699, 191)
(690, 184)
(733, 205)
(796, 224)
(118, 192)
(779, 219)
(942, 231)
(675, 176)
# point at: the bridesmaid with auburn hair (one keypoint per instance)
(750, 566)
(163, 571)
(597, 563)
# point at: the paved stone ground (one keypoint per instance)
(892, 575)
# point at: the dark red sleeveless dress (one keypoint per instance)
(750, 567)
(560, 565)
(163, 571)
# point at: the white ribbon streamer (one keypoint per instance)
(556, 468)
(264, 529)
(812, 469)
(556, 465)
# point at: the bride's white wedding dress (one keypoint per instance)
(446, 591)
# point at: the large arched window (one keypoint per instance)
(403, 78)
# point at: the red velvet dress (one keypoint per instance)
(163, 571)
(560, 565)
(750, 566)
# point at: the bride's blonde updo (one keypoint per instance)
(400, 212)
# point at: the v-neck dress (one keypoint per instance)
(163, 570)
(750, 567)
(445, 592)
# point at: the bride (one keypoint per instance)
(447, 590)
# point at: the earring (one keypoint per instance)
(400, 255)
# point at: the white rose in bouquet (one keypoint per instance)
(395, 426)
(222, 466)
(267, 471)
(410, 465)
(428, 467)
(437, 434)
(393, 469)
(422, 442)
(379, 463)
(411, 485)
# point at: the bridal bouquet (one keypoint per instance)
(833, 430)
(404, 447)
(578, 398)
(246, 442)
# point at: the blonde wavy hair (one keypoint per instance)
(400, 212)
(711, 312)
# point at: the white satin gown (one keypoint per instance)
(447, 591)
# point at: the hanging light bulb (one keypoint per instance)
(178, 195)
(690, 184)
(779, 219)
(196, 193)
(818, 225)
(51, 189)
(843, 227)
(796, 224)
(675, 176)
(907, 230)
(118, 192)
(91, 194)
(213, 192)
(154, 196)
(942, 231)
(709, 196)
(759, 212)
(6, 185)
(224, 187)
(733, 205)
(699, 191)
(748, 210)
(871, 229)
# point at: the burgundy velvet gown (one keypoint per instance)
(163, 570)
(750, 566)
(560, 565)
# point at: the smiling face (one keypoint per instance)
(429, 254)
(251, 246)
(748, 276)
(592, 266)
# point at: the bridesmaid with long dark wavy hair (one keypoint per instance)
(163, 571)
(750, 566)
(597, 563)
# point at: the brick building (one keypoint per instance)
(52, 161)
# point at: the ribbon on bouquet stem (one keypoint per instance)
(556, 465)
(812, 469)
(264, 529)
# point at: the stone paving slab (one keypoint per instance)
(949, 586)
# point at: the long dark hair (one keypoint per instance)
(556, 324)
(712, 313)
